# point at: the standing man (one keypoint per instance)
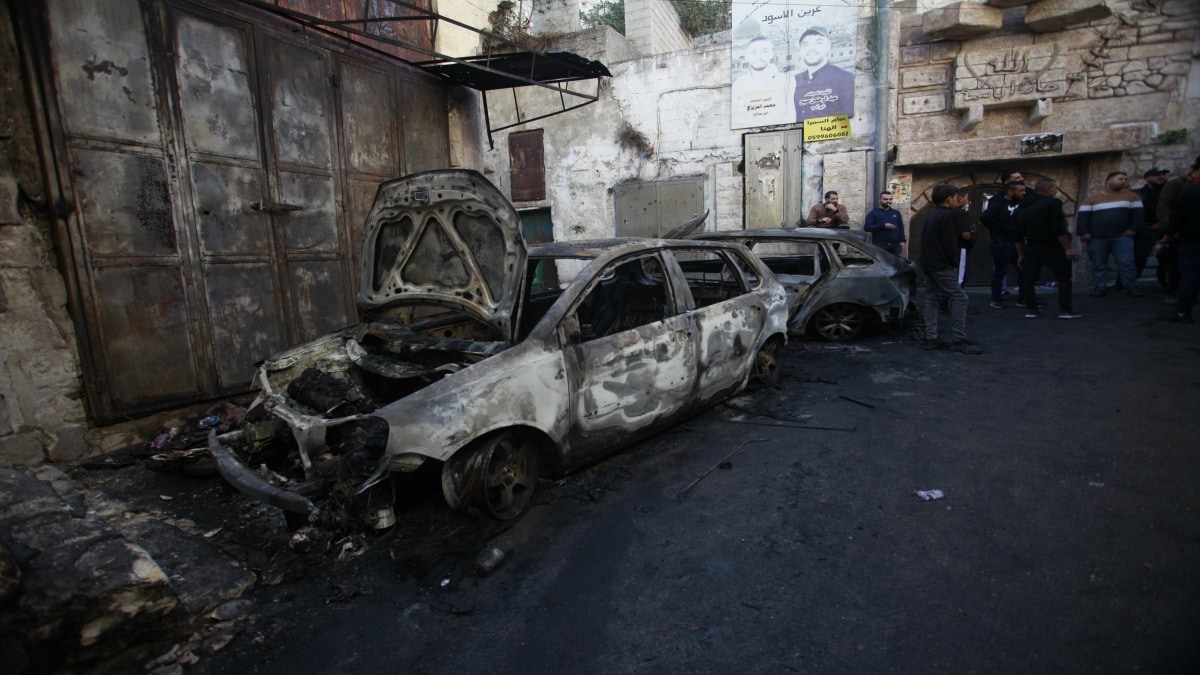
(1000, 219)
(886, 225)
(941, 238)
(764, 95)
(821, 88)
(1107, 221)
(1182, 225)
(828, 213)
(1044, 241)
(1147, 233)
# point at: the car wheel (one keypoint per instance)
(839, 322)
(497, 475)
(766, 364)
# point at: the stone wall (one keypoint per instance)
(41, 411)
(653, 27)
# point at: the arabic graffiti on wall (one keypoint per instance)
(1010, 77)
(773, 82)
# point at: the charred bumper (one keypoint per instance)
(246, 481)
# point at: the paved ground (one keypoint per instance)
(1068, 539)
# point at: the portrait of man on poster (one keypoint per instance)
(762, 96)
(822, 89)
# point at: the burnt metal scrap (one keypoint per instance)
(488, 363)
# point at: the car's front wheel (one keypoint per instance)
(839, 322)
(496, 474)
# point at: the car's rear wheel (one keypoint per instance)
(766, 364)
(497, 475)
(839, 322)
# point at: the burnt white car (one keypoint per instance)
(839, 285)
(475, 363)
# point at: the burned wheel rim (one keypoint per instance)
(509, 477)
(766, 364)
(840, 322)
(497, 475)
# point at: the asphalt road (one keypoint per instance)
(1068, 539)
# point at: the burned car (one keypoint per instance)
(475, 365)
(839, 285)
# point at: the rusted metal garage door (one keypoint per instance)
(221, 168)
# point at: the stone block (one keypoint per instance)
(1040, 110)
(67, 443)
(1047, 16)
(912, 78)
(1157, 38)
(923, 104)
(944, 51)
(22, 246)
(9, 213)
(1178, 7)
(915, 55)
(961, 21)
(21, 449)
(972, 117)
(1175, 68)
(1134, 88)
(1172, 48)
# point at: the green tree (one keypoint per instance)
(697, 17)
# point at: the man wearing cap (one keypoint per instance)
(1179, 215)
(1147, 234)
(822, 89)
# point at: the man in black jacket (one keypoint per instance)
(1044, 241)
(999, 219)
(941, 239)
(1183, 227)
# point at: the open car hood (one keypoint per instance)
(446, 238)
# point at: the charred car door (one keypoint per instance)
(630, 356)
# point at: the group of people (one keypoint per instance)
(1028, 230)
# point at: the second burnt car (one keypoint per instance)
(839, 286)
(486, 362)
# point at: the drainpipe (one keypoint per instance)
(883, 22)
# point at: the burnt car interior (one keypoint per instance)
(711, 277)
(632, 294)
(799, 258)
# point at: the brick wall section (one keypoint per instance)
(653, 27)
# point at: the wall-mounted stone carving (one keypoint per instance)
(961, 21)
(1008, 78)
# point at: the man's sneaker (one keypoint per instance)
(997, 304)
(1032, 314)
(1070, 315)
(966, 347)
(1004, 294)
(1036, 303)
(1134, 293)
(1180, 318)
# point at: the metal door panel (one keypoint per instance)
(300, 106)
(124, 206)
(648, 209)
(360, 194)
(144, 327)
(319, 297)
(228, 219)
(246, 324)
(100, 55)
(368, 132)
(213, 73)
(635, 211)
(423, 113)
(308, 214)
(678, 202)
(772, 192)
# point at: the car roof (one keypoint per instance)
(595, 248)
(781, 233)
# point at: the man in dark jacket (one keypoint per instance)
(1183, 226)
(886, 225)
(999, 219)
(940, 243)
(1045, 242)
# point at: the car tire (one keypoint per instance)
(496, 475)
(766, 364)
(839, 322)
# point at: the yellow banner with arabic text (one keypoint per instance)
(826, 128)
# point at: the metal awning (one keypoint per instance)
(509, 69)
